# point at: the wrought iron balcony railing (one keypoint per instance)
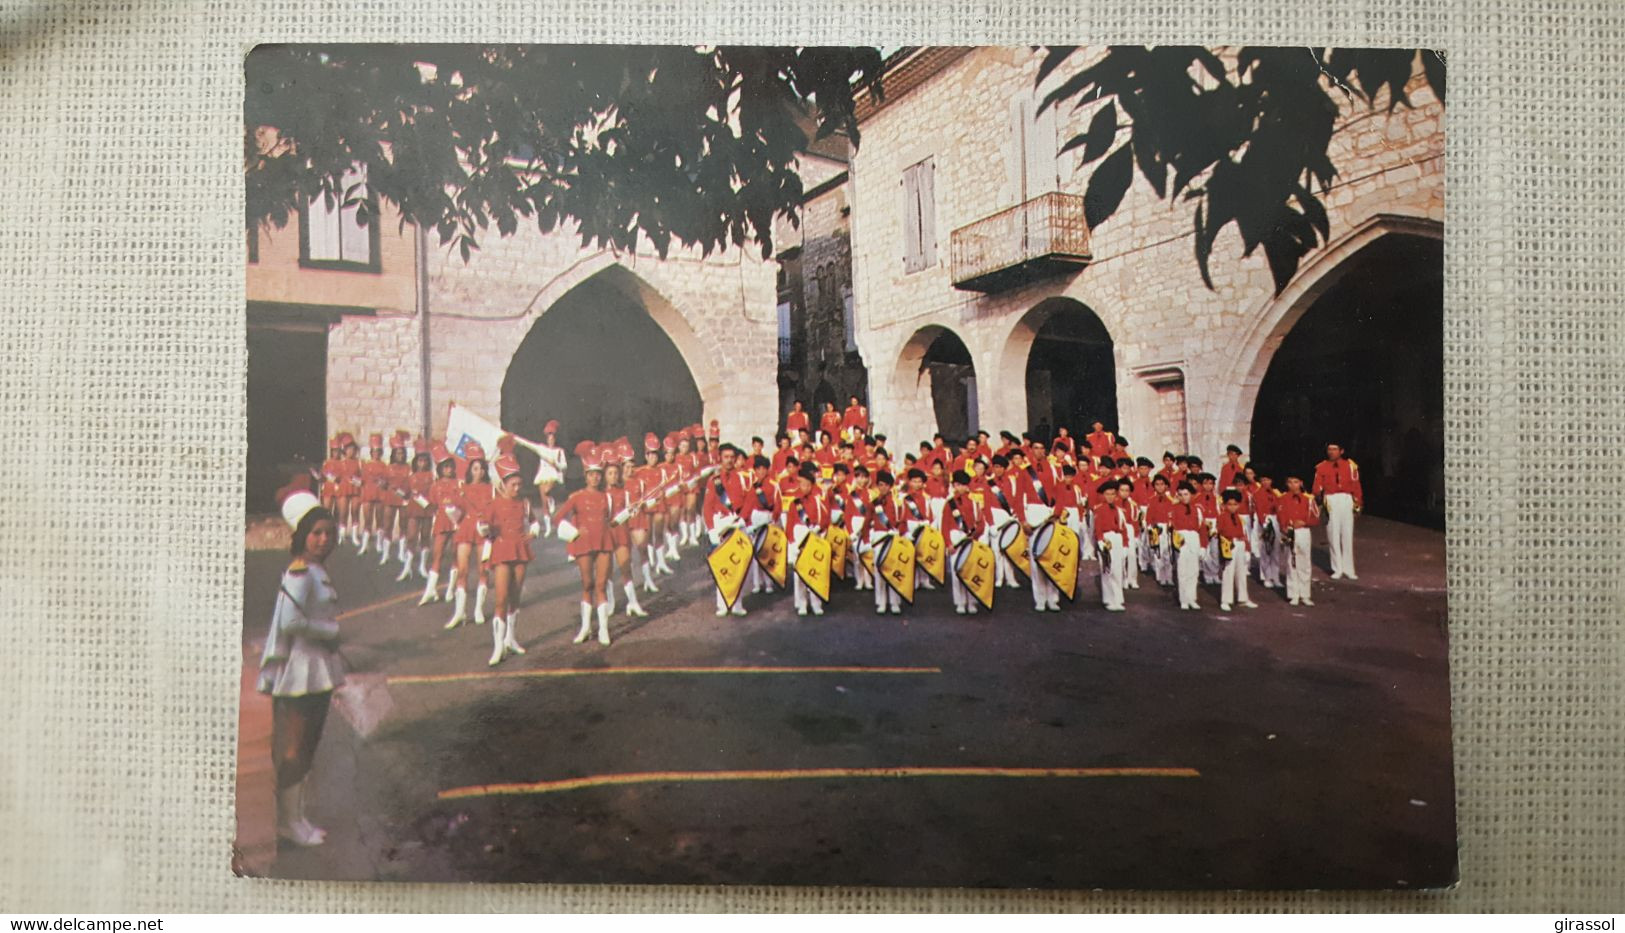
(1035, 239)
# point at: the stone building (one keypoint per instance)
(819, 361)
(942, 272)
(982, 299)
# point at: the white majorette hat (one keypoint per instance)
(295, 500)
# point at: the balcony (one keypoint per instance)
(1036, 239)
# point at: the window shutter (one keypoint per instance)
(1041, 146)
(321, 230)
(1015, 152)
(354, 245)
(928, 214)
(911, 219)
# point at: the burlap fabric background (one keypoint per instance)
(122, 401)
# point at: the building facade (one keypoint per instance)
(982, 300)
(941, 272)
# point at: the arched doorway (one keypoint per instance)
(1364, 367)
(936, 365)
(600, 364)
(1071, 373)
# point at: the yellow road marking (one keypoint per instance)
(596, 671)
(673, 777)
(381, 604)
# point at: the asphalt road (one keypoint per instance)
(1281, 747)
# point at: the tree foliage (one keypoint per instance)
(1247, 141)
(695, 145)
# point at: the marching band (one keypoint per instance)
(969, 516)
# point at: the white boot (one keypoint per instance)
(458, 616)
(671, 548)
(603, 623)
(423, 562)
(499, 628)
(291, 822)
(383, 550)
(406, 565)
(363, 549)
(586, 624)
(429, 593)
(632, 607)
(508, 638)
(609, 590)
(649, 580)
(479, 605)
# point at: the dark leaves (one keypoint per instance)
(1249, 142)
(1107, 186)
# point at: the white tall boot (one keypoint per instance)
(479, 605)
(499, 627)
(609, 595)
(603, 623)
(632, 607)
(458, 616)
(423, 562)
(383, 550)
(586, 624)
(509, 640)
(363, 549)
(406, 564)
(291, 822)
(671, 547)
(649, 580)
(429, 592)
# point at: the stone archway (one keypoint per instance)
(1235, 393)
(1064, 354)
(935, 385)
(607, 357)
(1363, 366)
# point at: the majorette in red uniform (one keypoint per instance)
(372, 484)
(671, 481)
(476, 504)
(392, 496)
(445, 497)
(796, 420)
(650, 481)
(583, 524)
(348, 475)
(415, 514)
(508, 527)
(330, 478)
(616, 457)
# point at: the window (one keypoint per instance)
(333, 237)
(1035, 164)
(919, 216)
(851, 321)
(784, 333)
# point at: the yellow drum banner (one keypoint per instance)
(839, 543)
(812, 564)
(728, 564)
(897, 566)
(774, 554)
(977, 572)
(1059, 558)
(932, 553)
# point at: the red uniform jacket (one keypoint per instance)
(590, 512)
(510, 533)
(1158, 511)
(1182, 517)
(1101, 443)
(1108, 518)
(1263, 501)
(1342, 476)
(723, 497)
(796, 421)
(886, 513)
(1230, 526)
(914, 508)
(476, 505)
(444, 492)
(830, 423)
(962, 513)
(1296, 511)
(1229, 473)
(810, 511)
(761, 497)
(856, 416)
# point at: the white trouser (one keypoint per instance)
(962, 597)
(1299, 568)
(1133, 561)
(1188, 566)
(804, 597)
(1210, 561)
(1163, 556)
(1045, 593)
(1113, 563)
(885, 596)
(1269, 552)
(1142, 550)
(1233, 589)
(1340, 532)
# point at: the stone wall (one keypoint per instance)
(1142, 282)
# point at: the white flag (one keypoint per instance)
(463, 427)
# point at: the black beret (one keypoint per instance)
(1001, 460)
(1109, 485)
(1185, 486)
(916, 473)
(808, 471)
(885, 478)
(1231, 495)
(761, 461)
(961, 478)
(1232, 449)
